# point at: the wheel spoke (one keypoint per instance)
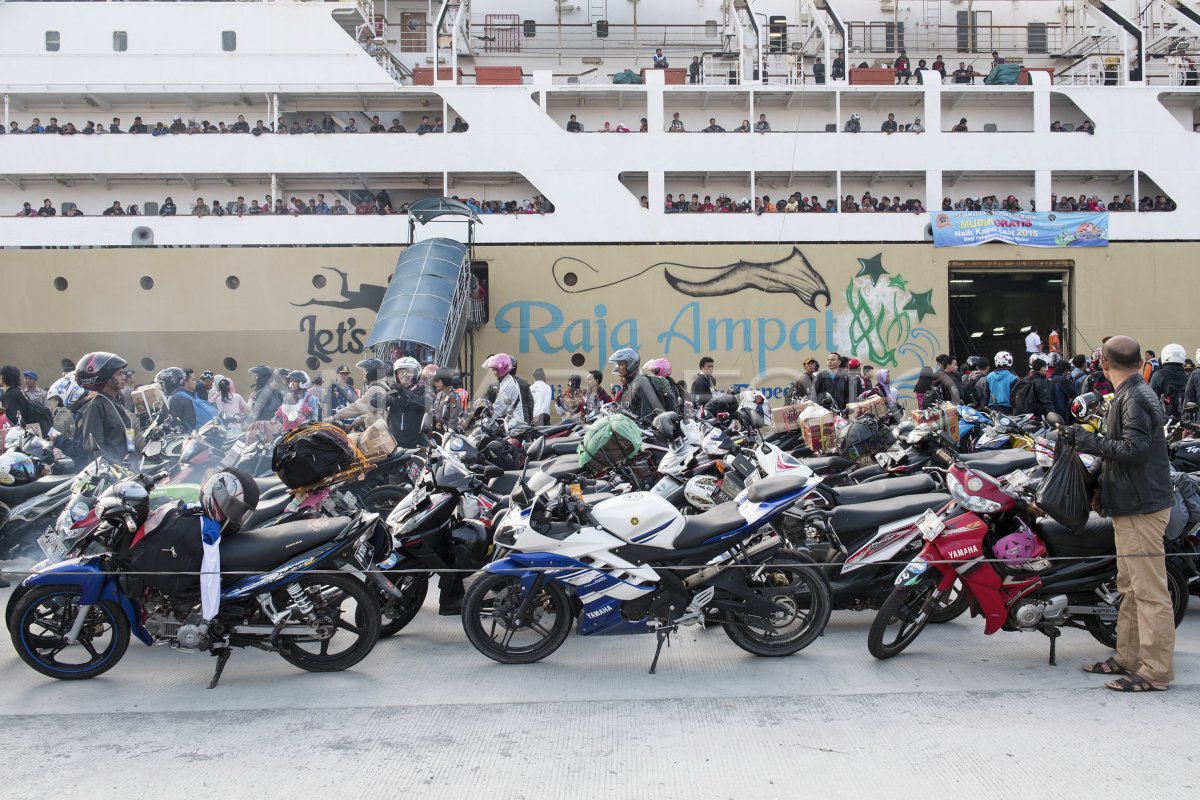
(346, 626)
(87, 645)
(325, 647)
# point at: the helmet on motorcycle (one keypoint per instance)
(501, 363)
(127, 497)
(468, 544)
(16, 466)
(658, 366)
(1086, 405)
(700, 492)
(96, 369)
(722, 403)
(12, 437)
(1173, 354)
(1003, 359)
(862, 438)
(629, 358)
(170, 379)
(1018, 547)
(229, 497)
(667, 424)
(66, 390)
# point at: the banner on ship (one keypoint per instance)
(1030, 228)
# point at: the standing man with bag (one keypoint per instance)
(1135, 490)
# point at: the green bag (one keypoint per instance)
(610, 442)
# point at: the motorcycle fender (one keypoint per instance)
(94, 586)
(984, 585)
(516, 564)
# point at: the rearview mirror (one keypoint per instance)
(427, 423)
(1190, 406)
(492, 471)
(535, 450)
(152, 449)
(1054, 419)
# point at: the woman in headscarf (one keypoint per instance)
(570, 400)
(883, 387)
(230, 404)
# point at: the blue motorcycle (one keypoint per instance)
(290, 589)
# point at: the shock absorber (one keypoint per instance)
(300, 598)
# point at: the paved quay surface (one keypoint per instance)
(427, 716)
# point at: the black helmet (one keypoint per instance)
(96, 369)
(975, 363)
(371, 364)
(128, 496)
(297, 376)
(667, 424)
(170, 379)
(229, 497)
(262, 370)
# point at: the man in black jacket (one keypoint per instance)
(704, 385)
(1135, 490)
(832, 381)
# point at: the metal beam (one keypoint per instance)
(15, 104)
(100, 180)
(17, 182)
(99, 102)
(191, 182)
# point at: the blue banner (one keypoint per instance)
(1030, 228)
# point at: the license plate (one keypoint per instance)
(896, 453)
(883, 460)
(52, 546)
(930, 526)
(1017, 479)
(363, 553)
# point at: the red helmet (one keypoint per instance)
(96, 369)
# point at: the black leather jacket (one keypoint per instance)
(1136, 478)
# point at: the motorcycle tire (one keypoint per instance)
(810, 601)
(906, 605)
(44, 616)
(946, 611)
(382, 499)
(1177, 585)
(365, 624)
(489, 605)
(395, 614)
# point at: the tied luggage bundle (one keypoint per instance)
(610, 442)
(376, 442)
(315, 452)
(787, 418)
(817, 423)
(941, 418)
(1064, 494)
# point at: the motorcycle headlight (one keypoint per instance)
(79, 510)
(970, 502)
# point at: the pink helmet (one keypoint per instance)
(658, 366)
(428, 372)
(501, 362)
(1019, 547)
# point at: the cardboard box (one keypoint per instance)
(871, 407)
(148, 399)
(943, 419)
(817, 425)
(376, 442)
(787, 419)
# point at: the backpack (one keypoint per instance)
(311, 453)
(665, 391)
(526, 398)
(610, 442)
(169, 552)
(205, 410)
(1024, 397)
(1172, 397)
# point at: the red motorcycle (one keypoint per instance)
(1019, 577)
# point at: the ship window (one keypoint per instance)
(120, 41)
(229, 41)
(52, 41)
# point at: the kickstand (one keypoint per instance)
(1053, 633)
(222, 657)
(664, 636)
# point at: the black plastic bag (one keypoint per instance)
(1063, 493)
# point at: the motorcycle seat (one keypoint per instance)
(251, 551)
(267, 510)
(823, 464)
(884, 489)
(776, 487)
(699, 528)
(563, 466)
(20, 492)
(867, 516)
(1095, 538)
(566, 446)
(550, 430)
(267, 483)
(999, 463)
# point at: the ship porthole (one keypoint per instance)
(319, 281)
(230, 364)
(578, 360)
(60, 284)
(148, 364)
(147, 282)
(232, 282)
(570, 279)
(313, 362)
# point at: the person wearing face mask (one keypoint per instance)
(299, 402)
(405, 403)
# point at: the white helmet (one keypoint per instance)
(14, 466)
(700, 491)
(1003, 359)
(406, 362)
(12, 437)
(1173, 354)
(66, 390)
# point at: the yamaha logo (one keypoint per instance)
(633, 520)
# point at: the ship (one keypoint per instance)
(551, 135)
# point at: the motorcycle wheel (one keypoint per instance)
(487, 618)
(395, 614)
(800, 592)
(382, 499)
(907, 609)
(342, 603)
(952, 606)
(1106, 632)
(43, 618)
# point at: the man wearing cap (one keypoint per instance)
(206, 378)
(340, 394)
(68, 366)
(35, 394)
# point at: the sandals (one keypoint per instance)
(1108, 667)
(1135, 683)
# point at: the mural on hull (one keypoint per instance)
(323, 344)
(880, 322)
